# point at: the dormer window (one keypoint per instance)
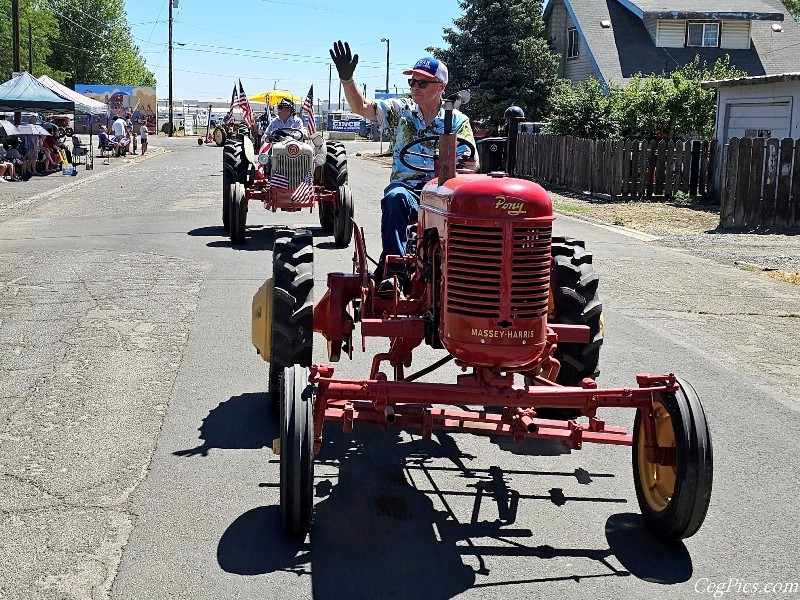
(702, 35)
(572, 43)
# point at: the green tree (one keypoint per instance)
(97, 44)
(584, 110)
(793, 6)
(498, 51)
(44, 38)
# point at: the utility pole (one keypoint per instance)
(30, 48)
(169, 127)
(330, 72)
(387, 63)
(15, 47)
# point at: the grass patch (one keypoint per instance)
(572, 208)
(681, 198)
(785, 276)
(619, 221)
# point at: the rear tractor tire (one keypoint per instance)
(234, 170)
(334, 176)
(573, 289)
(292, 331)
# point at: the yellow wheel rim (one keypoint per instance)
(658, 481)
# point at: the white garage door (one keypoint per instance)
(759, 119)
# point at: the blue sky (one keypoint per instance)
(225, 41)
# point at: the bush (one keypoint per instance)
(667, 106)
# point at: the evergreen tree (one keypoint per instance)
(498, 51)
(793, 6)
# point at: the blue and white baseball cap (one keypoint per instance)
(429, 67)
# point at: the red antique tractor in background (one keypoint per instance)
(514, 307)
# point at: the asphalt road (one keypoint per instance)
(135, 437)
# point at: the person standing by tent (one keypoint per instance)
(143, 135)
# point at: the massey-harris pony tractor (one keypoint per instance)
(514, 307)
(292, 172)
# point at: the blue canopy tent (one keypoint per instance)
(25, 92)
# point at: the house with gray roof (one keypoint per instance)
(612, 40)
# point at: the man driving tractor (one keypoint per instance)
(286, 119)
(406, 119)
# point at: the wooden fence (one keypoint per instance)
(760, 183)
(617, 169)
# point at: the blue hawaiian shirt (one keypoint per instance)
(404, 117)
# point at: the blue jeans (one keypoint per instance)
(399, 209)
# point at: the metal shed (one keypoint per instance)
(766, 107)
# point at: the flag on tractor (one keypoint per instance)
(229, 117)
(278, 180)
(305, 190)
(307, 111)
(243, 103)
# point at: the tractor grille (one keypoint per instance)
(477, 281)
(295, 169)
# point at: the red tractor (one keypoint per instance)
(292, 172)
(514, 307)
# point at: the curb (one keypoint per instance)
(626, 231)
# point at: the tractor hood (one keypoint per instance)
(494, 197)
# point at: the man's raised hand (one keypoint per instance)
(344, 60)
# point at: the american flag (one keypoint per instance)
(307, 111)
(229, 117)
(305, 190)
(278, 180)
(243, 103)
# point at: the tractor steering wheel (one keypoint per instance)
(279, 134)
(406, 151)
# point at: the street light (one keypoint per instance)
(387, 63)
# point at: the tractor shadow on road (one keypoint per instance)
(259, 237)
(242, 422)
(397, 517)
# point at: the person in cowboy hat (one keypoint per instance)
(286, 119)
(406, 119)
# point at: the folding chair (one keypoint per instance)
(106, 151)
(78, 150)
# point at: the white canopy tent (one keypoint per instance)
(83, 104)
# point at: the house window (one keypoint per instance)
(702, 35)
(572, 43)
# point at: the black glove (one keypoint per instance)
(345, 61)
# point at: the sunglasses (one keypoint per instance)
(421, 83)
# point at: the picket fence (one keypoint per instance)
(760, 184)
(618, 169)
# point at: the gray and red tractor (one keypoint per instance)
(514, 307)
(291, 172)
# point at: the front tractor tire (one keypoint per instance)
(297, 451)
(292, 319)
(238, 214)
(674, 497)
(343, 224)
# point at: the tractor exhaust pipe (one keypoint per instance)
(514, 116)
(388, 414)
